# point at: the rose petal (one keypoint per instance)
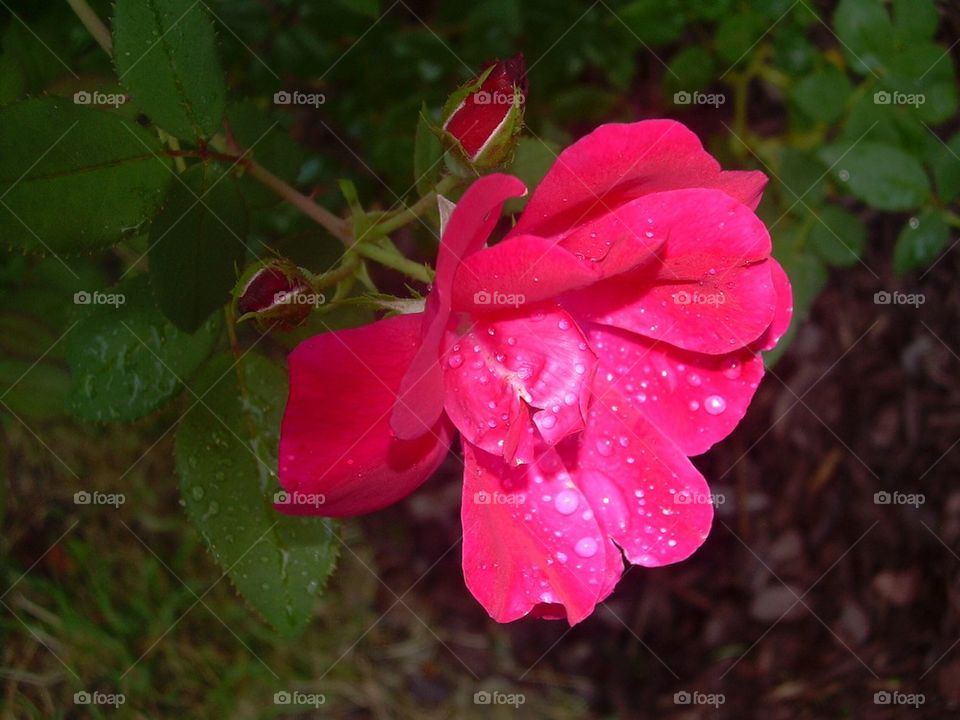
(465, 232)
(532, 268)
(784, 309)
(336, 439)
(645, 492)
(505, 362)
(617, 163)
(712, 291)
(531, 545)
(696, 400)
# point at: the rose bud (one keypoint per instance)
(275, 292)
(483, 118)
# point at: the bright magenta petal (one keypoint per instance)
(784, 311)
(467, 230)
(712, 290)
(531, 544)
(335, 439)
(644, 490)
(696, 400)
(506, 362)
(531, 268)
(617, 163)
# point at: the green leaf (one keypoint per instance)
(653, 22)
(690, 69)
(865, 33)
(226, 449)
(920, 241)
(738, 34)
(74, 179)
(427, 154)
(166, 56)
(884, 177)
(803, 179)
(126, 358)
(823, 95)
(838, 236)
(945, 163)
(37, 391)
(915, 19)
(198, 245)
(921, 78)
(39, 63)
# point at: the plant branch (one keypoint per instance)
(390, 257)
(93, 24)
(407, 215)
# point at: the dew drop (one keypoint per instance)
(604, 447)
(455, 360)
(564, 324)
(547, 421)
(694, 379)
(732, 369)
(566, 502)
(586, 547)
(714, 404)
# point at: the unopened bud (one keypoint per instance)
(483, 118)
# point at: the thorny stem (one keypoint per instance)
(339, 227)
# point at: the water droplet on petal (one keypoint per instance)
(714, 404)
(455, 360)
(564, 324)
(566, 502)
(694, 379)
(586, 547)
(732, 369)
(547, 421)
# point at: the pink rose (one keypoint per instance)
(615, 331)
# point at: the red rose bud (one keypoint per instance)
(483, 118)
(275, 292)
